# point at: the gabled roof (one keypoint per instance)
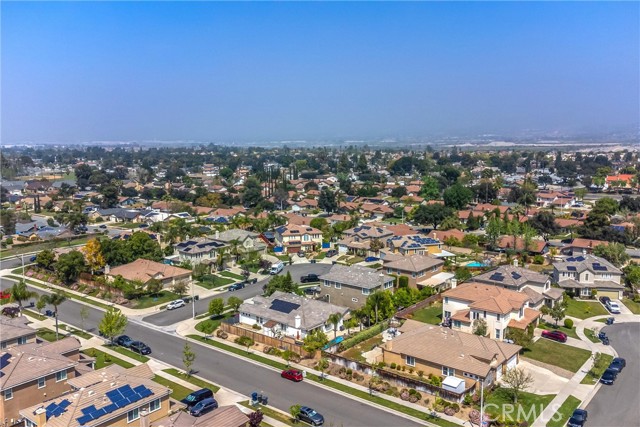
(356, 276)
(12, 328)
(592, 263)
(296, 230)
(414, 241)
(414, 263)
(510, 275)
(488, 297)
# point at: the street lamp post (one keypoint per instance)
(193, 301)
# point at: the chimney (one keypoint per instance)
(107, 269)
(40, 416)
(454, 283)
(144, 418)
(217, 234)
(298, 321)
(515, 262)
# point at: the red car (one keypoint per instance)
(292, 374)
(555, 335)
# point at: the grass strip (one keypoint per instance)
(126, 352)
(231, 275)
(271, 413)
(178, 392)
(191, 379)
(596, 371)
(105, 359)
(335, 385)
(34, 314)
(564, 412)
(593, 336)
(48, 335)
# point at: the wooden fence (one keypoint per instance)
(286, 343)
(402, 314)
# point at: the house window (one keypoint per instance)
(521, 311)
(327, 283)
(29, 423)
(457, 324)
(448, 372)
(133, 415)
(413, 275)
(410, 360)
(388, 285)
(447, 314)
(22, 340)
(366, 291)
(475, 315)
(354, 299)
(3, 345)
(586, 277)
(154, 405)
(446, 300)
(498, 317)
(42, 382)
(61, 376)
(8, 394)
(389, 271)
(484, 314)
(338, 285)
(498, 334)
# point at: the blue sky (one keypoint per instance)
(208, 71)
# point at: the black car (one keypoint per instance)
(578, 418)
(308, 278)
(617, 364)
(140, 347)
(331, 253)
(204, 406)
(197, 397)
(236, 286)
(124, 341)
(312, 291)
(608, 377)
(310, 416)
(604, 300)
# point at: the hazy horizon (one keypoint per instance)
(199, 71)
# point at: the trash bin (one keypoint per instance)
(264, 400)
(196, 297)
(610, 320)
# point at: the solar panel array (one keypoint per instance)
(283, 306)
(119, 398)
(57, 409)
(572, 268)
(498, 277)
(4, 360)
(598, 267)
(515, 275)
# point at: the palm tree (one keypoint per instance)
(359, 314)
(334, 319)
(20, 292)
(55, 299)
(234, 247)
(376, 299)
(375, 245)
(220, 259)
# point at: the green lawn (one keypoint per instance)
(593, 376)
(68, 294)
(105, 359)
(565, 411)
(529, 405)
(150, 301)
(277, 415)
(551, 326)
(37, 247)
(321, 255)
(210, 325)
(632, 305)
(431, 314)
(193, 380)
(211, 281)
(593, 337)
(584, 309)
(128, 353)
(561, 355)
(231, 275)
(178, 391)
(127, 225)
(34, 314)
(75, 331)
(49, 335)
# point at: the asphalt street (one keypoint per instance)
(241, 376)
(13, 262)
(170, 317)
(618, 405)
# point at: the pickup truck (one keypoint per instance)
(308, 278)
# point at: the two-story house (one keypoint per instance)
(414, 244)
(15, 331)
(195, 251)
(298, 238)
(418, 268)
(537, 286)
(350, 286)
(358, 239)
(248, 241)
(290, 315)
(582, 274)
(500, 308)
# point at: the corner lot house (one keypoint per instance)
(145, 270)
(499, 307)
(440, 351)
(291, 315)
(350, 286)
(582, 274)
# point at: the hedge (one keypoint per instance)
(363, 336)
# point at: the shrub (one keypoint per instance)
(222, 334)
(435, 381)
(455, 407)
(568, 323)
(421, 374)
(363, 336)
(411, 370)
(538, 259)
(256, 327)
(468, 400)
(393, 365)
(403, 368)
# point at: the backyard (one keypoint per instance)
(584, 309)
(528, 408)
(431, 314)
(356, 351)
(561, 355)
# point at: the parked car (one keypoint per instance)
(301, 254)
(609, 377)
(613, 307)
(292, 374)
(312, 291)
(604, 300)
(140, 347)
(331, 253)
(276, 268)
(236, 286)
(197, 397)
(371, 259)
(32, 259)
(308, 278)
(578, 418)
(309, 415)
(555, 335)
(203, 407)
(176, 304)
(617, 364)
(103, 226)
(124, 341)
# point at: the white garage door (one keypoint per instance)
(511, 363)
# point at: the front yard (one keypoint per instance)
(561, 355)
(632, 305)
(431, 314)
(529, 406)
(593, 376)
(211, 281)
(584, 309)
(153, 300)
(551, 326)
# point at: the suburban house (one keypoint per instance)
(196, 251)
(304, 205)
(34, 372)
(375, 211)
(579, 246)
(537, 286)
(358, 239)
(620, 180)
(536, 247)
(289, 315)
(248, 240)
(500, 308)
(110, 397)
(14, 331)
(582, 274)
(418, 268)
(224, 416)
(414, 244)
(350, 286)
(447, 353)
(298, 238)
(145, 270)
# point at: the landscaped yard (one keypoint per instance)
(37, 247)
(128, 353)
(632, 305)
(593, 376)
(75, 331)
(565, 411)
(355, 352)
(431, 314)
(193, 380)
(49, 335)
(211, 281)
(104, 359)
(561, 355)
(277, 415)
(321, 255)
(584, 309)
(127, 225)
(593, 337)
(178, 391)
(551, 326)
(209, 325)
(528, 408)
(231, 275)
(150, 301)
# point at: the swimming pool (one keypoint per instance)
(476, 264)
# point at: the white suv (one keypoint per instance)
(176, 304)
(613, 307)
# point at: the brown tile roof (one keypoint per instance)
(530, 315)
(224, 416)
(587, 243)
(506, 242)
(445, 347)
(144, 270)
(443, 235)
(488, 297)
(12, 328)
(296, 219)
(299, 230)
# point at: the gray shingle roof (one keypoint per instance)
(356, 276)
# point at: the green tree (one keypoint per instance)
(8, 221)
(55, 299)
(494, 228)
(557, 312)
(462, 274)
(334, 319)
(480, 327)
(319, 223)
(113, 323)
(40, 305)
(517, 380)
(235, 303)
(70, 265)
(188, 357)
(615, 253)
(430, 189)
(432, 214)
(281, 283)
(380, 304)
(20, 292)
(520, 337)
(327, 200)
(322, 366)
(606, 205)
(46, 259)
(315, 340)
(216, 306)
(294, 410)
(457, 196)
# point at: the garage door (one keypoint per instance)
(610, 294)
(293, 249)
(513, 362)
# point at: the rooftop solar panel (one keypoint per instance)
(139, 388)
(114, 395)
(88, 410)
(64, 404)
(580, 259)
(98, 413)
(571, 268)
(515, 275)
(121, 403)
(83, 420)
(110, 408)
(4, 360)
(283, 306)
(146, 393)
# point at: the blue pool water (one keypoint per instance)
(476, 264)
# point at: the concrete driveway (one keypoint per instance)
(544, 381)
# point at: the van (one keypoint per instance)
(204, 406)
(276, 268)
(197, 396)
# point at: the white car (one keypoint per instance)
(176, 304)
(613, 307)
